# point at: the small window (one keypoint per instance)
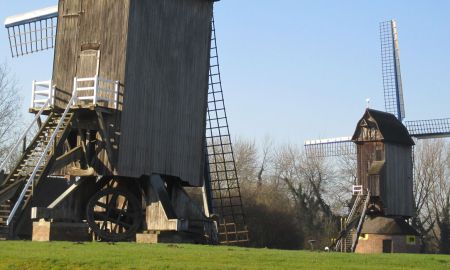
(411, 239)
(363, 236)
(378, 155)
(379, 152)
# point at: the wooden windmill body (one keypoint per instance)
(125, 133)
(384, 162)
(159, 53)
(383, 195)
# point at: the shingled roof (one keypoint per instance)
(387, 226)
(389, 126)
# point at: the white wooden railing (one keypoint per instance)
(93, 91)
(97, 90)
(41, 92)
(357, 190)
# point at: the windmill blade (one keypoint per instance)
(427, 129)
(390, 62)
(32, 31)
(342, 146)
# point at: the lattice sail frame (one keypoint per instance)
(333, 147)
(33, 31)
(225, 195)
(427, 129)
(390, 62)
(393, 98)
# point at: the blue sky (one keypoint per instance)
(297, 70)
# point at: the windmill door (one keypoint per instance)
(88, 66)
(387, 246)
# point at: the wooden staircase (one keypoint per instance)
(348, 237)
(17, 189)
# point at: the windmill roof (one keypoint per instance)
(389, 126)
(387, 225)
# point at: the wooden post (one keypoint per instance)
(104, 132)
(33, 86)
(116, 95)
(95, 90)
(52, 94)
(74, 91)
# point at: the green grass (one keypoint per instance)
(64, 255)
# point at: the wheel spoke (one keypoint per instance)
(120, 217)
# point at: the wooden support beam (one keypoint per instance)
(9, 191)
(104, 133)
(157, 184)
(83, 144)
(72, 155)
(74, 171)
(66, 193)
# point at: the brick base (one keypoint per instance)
(168, 237)
(373, 243)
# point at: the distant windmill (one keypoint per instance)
(125, 131)
(382, 199)
(393, 100)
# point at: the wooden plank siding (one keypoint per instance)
(163, 119)
(397, 194)
(159, 51)
(66, 50)
(367, 155)
(89, 25)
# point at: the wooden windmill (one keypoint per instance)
(130, 123)
(382, 142)
(393, 101)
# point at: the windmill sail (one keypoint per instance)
(390, 61)
(341, 146)
(427, 129)
(32, 31)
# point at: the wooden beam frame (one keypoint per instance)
(72, 155)
(104, 133)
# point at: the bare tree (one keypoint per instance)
(307, 180)
(440, 199)
(246, 157)
(345, 173)
(269, 209)
(432, 194)
(426, 165)
(9, 109)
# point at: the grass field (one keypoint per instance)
(63, 255)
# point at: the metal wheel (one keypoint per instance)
(114, 214)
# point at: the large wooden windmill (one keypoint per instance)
(383, 196)
(130, 122)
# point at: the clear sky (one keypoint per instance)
(297, 70)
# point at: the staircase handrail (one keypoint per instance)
(19, 141)
(41, 159)
(353, 210)
(361, 220)
(348, 221)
